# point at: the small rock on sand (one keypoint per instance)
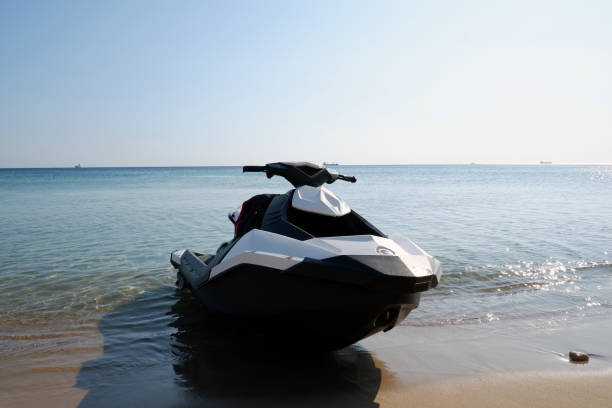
(578, 357)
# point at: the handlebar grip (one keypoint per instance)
(253, 169)
(350, 179)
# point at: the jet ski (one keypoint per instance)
(305, 262)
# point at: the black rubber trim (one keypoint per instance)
(377, 272)
(389, 265)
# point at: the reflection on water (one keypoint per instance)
(539, 295)
(185, 356)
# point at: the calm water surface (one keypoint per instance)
(85, 251)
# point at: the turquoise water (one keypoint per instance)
(519, 245)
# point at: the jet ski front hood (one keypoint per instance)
(395, 257)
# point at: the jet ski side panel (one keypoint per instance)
(378, 253)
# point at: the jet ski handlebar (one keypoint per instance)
(253, 169)
(350, 179)
(300, 173)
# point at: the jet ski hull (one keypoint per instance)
(298, 308)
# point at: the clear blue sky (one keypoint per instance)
(131, 83)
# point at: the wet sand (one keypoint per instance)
(534, 389)
(167, 359)
(510, 390)
(491, 365)
(39, 363)
(546, 390)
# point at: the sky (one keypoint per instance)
(194, 83)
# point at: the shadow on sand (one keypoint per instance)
(164, 349)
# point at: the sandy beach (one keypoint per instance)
(478, 365)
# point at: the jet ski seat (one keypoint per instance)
(252, 214)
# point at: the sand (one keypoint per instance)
(480, 365)
(546, 390)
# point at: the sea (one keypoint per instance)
(88, 299)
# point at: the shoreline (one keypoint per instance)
(483, 365)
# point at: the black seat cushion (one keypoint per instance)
(252, 213)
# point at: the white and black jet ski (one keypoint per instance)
(306, 261)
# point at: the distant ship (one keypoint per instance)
(77, 166)
(545, 162)
(329, 164)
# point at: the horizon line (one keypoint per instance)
(339, 165)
